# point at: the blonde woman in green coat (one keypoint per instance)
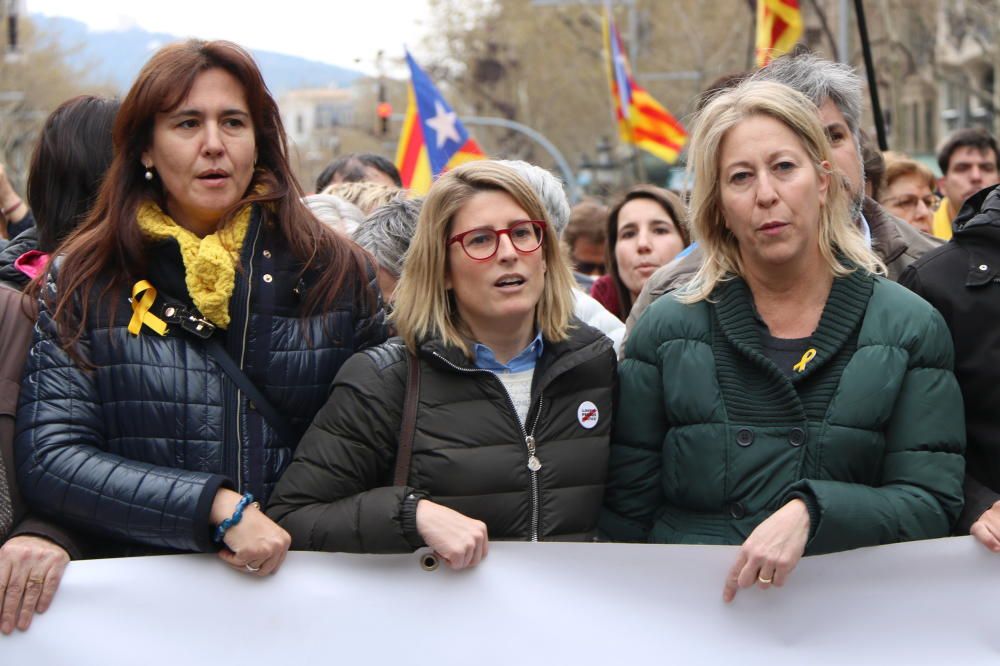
(790, 399)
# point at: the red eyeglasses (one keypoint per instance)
(482, 244)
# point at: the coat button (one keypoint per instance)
(737, 510)
(797, 437)
(251, 405)
(267, 278)
(267, 254)
(744, 436)
(983, 267)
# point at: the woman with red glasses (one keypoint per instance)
(489, 415)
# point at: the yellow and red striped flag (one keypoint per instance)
(779, 26)
(433, 139)
(642, 121)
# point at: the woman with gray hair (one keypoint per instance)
(340, 215)
(386, 235)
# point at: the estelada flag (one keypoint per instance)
(433, 139)
(642, 120)
(779, 26)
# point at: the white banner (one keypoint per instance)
(918, 603)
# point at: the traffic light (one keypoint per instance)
(384, 111)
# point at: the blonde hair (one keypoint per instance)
(424, 308)
(839, 236)
(364, 194)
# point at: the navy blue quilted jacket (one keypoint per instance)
(137, 448)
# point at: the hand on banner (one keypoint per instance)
(256, 544)
(771, 551)
(987, 528)
(30, 570)
(458, 540)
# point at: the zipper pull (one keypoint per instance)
(534, 464)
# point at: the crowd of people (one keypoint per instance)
(796, 356)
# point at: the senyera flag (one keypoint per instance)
(433, 139)
(642, 121)
(779, 26)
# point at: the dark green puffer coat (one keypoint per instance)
(469, 449)
(711, 437)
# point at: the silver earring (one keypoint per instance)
(149, 173)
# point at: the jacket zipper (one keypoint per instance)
(243, 351)
(533, 463)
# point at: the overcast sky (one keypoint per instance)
(342, 32)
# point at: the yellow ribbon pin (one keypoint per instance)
(140, 309)
(808, 356)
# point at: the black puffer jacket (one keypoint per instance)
(23, 242)
(27, 223)
(469, 450)
(137, 448)
(962, 280)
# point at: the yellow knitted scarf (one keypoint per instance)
(209, 262)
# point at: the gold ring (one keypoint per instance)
(36, 580)
(766, 581)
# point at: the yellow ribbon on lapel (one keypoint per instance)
(804, 361)
(140, 309)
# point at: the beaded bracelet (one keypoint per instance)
(237, 516)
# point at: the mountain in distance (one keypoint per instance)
(116, 56)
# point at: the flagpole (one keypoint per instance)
(633, 20)
(866, 49)
(640, 169)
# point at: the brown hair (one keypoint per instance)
(108, 248)
(588, 219)
(874, 165)
(898, 165)
(669, 202)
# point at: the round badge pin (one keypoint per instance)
(587, 414)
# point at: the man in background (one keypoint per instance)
(968, 159)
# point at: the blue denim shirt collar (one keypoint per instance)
(525, 360)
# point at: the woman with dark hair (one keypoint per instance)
(647, 228)
(358, 168)
(191, 327)
(69, 161)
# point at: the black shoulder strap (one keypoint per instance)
(264, 406)
(197, 327)
(408, 424)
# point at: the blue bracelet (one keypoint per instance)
(237, 516)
